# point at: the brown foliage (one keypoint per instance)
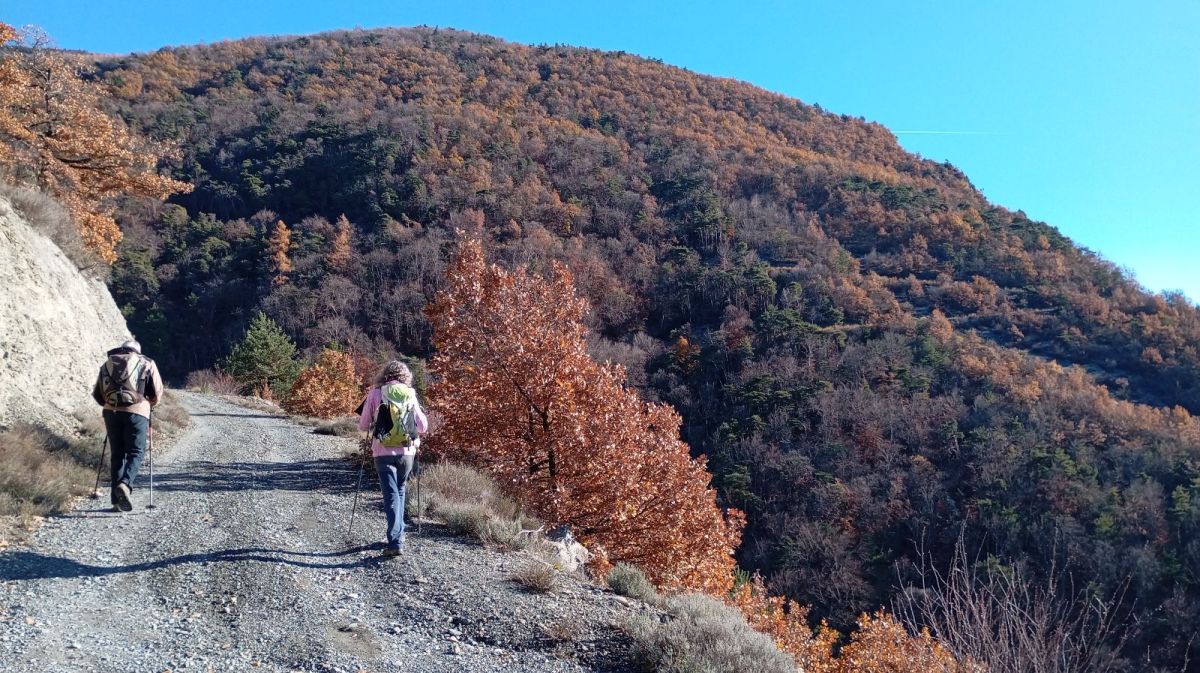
(786, 621)
(338, 258)
(55, 134)
(328, 387)
(523, 400)
(278, 247)
(882, 645)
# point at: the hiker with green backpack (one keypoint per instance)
(127, 386)
(394, 416)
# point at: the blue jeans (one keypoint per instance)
(127, 441)
(393, 475)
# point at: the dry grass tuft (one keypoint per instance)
(629, 580)
(471, 504)
(338, 427)
(169, 415)
(40, 472)
(536, 576)
(254, 404)
(464, 518)
(565, 630)
(47, 216)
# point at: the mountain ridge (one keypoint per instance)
(861, 343)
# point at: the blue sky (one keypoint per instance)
(1084, 114)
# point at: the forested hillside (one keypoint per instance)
(872, 356)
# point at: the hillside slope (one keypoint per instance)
(55, 325)
(245, 564)
(869, 352)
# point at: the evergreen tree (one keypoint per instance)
(265, 361)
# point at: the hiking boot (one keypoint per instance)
(121, 497)
(392, 551)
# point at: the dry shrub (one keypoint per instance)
(471, 504)
(509, 534)
(703, 634)
(536, 576)
(1012, 623)
(448, 483)
(786, 622)
(464, 518)
(882, 645)
(212, 381)
(253, 403)
(40, 471)
(169, 415)
(339, 427)
(48, 217)
(628, 580)
(328, 387)
(563, 630)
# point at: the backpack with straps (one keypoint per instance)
(396, 419)
(123, 379)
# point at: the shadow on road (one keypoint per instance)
(204, 413)
(328, 476)
(28, 565)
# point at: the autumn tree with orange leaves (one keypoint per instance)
(326, 388)
(278, 248)
(340, 248)
(880, 645)
(522, 399)
(55, 134)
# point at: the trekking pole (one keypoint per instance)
(100, 467)
(420, 512)
(357, 487)
(151, 444)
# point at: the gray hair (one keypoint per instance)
(133, 345)
(394, 371)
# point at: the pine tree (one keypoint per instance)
(265, 360)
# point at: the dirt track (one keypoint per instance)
(245, 564)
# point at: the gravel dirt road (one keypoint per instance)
(245, 564)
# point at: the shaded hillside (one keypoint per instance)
(778, 273)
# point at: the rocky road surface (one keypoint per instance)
(245, 564)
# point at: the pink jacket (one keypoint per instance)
(366, 420)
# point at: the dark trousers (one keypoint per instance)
(393, 475)
(127, 441)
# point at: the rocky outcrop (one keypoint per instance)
(55, 325)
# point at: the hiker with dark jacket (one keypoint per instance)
(127, 387)
(394, 416)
